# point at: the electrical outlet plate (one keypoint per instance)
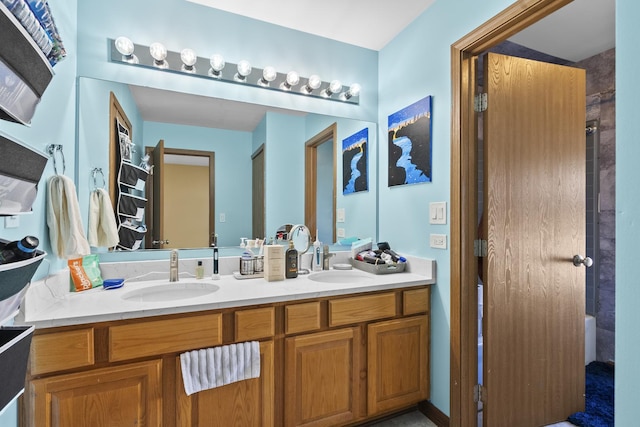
(340, 233)
(438, 241)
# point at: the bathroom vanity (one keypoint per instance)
(331, 353)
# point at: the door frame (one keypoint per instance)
(311, 178)
(464, 268)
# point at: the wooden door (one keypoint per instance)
(128, 395)
(534, 297)
(157, 227)
(322, 378)
(398, 363)
(248, 403)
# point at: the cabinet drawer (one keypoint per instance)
(415, 301)
(361, 309)
(164, 336)
(61, 350)
(255, 324)
(302, 317)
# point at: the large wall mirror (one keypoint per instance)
(245, 139)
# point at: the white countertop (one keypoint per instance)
(46, 306)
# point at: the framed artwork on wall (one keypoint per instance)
(410, 144)
(355, 162)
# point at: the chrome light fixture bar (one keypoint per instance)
(214, 68)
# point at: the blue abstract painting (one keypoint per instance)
(410, 144)
(355, 163)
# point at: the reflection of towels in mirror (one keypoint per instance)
(63, 218)
(103, 229)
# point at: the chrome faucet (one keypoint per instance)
(325, 257)
(173, 266)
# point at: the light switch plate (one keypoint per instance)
(223, 217)
(12, 221)
(438, 241)
(340, 215)
(438, 213)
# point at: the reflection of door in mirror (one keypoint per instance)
(320, 192)
(182, 197)
(257, 166)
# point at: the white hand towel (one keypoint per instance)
(213, 367)
(63, 218)
(103, 228)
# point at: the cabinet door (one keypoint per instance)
(128, 395)
(322, 378)
(245, 403)
(397, 363)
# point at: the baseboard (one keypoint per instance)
(433, 413)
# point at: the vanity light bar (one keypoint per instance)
(139, 56)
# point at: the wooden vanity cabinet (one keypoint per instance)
(331, 361)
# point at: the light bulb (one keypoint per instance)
(159, 54)
(189, 59)
(354, 90)
(269, 74)
(217, 64)
(126, 47)
(313, 84)
(244, 69)
(334, 87)
(292, 79)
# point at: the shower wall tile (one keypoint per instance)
(605, 344)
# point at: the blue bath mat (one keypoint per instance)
(598, 406)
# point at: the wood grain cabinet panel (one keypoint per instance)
(303, 317)
(61, 350)
(345, 311)
(128, 395)
(322, 378)
(397, 363)
(415, 301)
(255, 324)
(164, 336)
(248, 403)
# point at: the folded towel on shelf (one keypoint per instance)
(214, 367)
(63, 218)
(103, 229)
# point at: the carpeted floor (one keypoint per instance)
(599, 391)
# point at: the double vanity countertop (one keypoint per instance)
(48, 302)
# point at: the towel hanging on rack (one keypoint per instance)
(103, 228)
(63, 218)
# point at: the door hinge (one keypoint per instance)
(477, 393)
(480, 102)
(480, 248)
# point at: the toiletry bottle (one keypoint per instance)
(200, 270)
(291, 262)
(317, 254)
(19, 250)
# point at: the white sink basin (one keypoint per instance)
(339, 276)
(172, 291)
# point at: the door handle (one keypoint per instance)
(579, 260)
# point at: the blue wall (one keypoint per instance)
(627, 212)
(389, 84)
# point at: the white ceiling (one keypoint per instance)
(380, 20)
(579, 30)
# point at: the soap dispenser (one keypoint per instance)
(318, 255)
